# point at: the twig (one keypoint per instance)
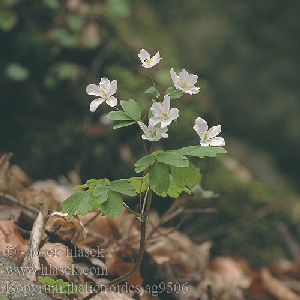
(32, 258)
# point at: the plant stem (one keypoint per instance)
(142, 249)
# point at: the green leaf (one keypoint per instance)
(122, 186)
(143, 163)
(113, 206)
(118, 116)
(176, 94)
(79, 203)
(15, 71)
(169, 90)
(151, 90)
(159, 177)
(131, 109)
(92, 183)
(186, 177)
(124, 124)
(173, 158)
(140, 184)
(101, 193)
(200, 151)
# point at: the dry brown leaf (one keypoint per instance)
(11, 243)
(265, 282)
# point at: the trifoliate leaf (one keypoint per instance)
(159, 177)
(186, 177)
(92, 183)
(113, 205)
(173, 158)
(200, 151)
(143, 163)
(122, 186)
(118, 116)
(140, 184)
(79, 203)
(175, 94)
(101, 193)
(124, 124)
(152, 90)
(131, 109)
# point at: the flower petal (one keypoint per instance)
(166, 103)
(174, 76)
(95, 103)
(104, 82)
(192, 90)
(93, 90)
(112, 101)
(217, 141)
(213, 131)
(113, 87)
(154, 120)
(174, 113)
(156, 108)
(200, 126)
(143, 55)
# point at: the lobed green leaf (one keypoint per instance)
(186, 177)
(200, 151)
(131, 109)
(159, 177)
(113, 205)
(143, 163)
(124, 124)
(122, 186)
(118, 115)
(173, 158)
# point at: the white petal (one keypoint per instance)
(154, 120)
(183, 75)
(193, 79)
(192, 90)
(104, 82)
(166, 102)
(93, 90)
(200, 126)
(217, 141)
(95, 103)
(156, 108)
(143, 126)
(143, 55)
(174, 114)
(174, 76)
(204, 143)
(213, 131)
(156, 58)
(113, 87)
(112, 101)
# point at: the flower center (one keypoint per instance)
(148, 61)
(104, 94)
(185, 84)
(165, 114)
(153, 133)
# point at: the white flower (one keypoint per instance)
(105, 90)
(185, 81)
(153, 133)
(147, 61)
(162, 113)
(208, 137)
